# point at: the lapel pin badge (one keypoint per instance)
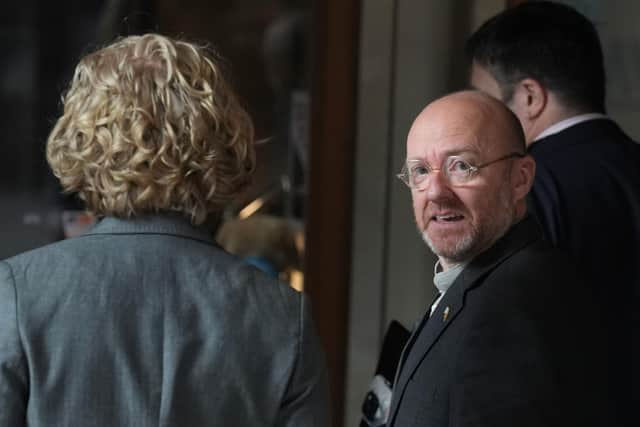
(445, 314)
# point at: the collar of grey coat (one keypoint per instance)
(428, 332)
(174, 224)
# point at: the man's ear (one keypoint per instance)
(522, 175)
(531, 98)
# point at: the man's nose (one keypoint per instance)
(437, 186)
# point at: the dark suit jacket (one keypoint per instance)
(586, 195)
(506, 346)
(147, 322)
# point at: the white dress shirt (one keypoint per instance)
(567, 123)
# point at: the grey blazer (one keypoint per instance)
(147, 322)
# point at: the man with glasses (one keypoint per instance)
(505, 343)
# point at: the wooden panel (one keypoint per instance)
(327, 260)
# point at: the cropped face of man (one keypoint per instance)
(519, 101)
(460, 170)
(482, 80)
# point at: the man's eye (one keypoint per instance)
(458, 166)
(419, 170)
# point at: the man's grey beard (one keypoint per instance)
(460, 252)
(471, 245)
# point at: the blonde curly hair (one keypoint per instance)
(151, 125)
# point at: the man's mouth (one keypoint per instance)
(447, 218)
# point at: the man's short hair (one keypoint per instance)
(150, 124)
(549, 42)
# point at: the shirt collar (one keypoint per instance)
(162, 223)
(444, 279)
(567, 123)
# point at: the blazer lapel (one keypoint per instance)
(415, 332)
(423, 339)
(452, 303)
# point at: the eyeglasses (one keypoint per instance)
(456, 170)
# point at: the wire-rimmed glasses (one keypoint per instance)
(456, 170)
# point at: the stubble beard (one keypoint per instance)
(461, 250)
(480, 237)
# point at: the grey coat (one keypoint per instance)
(147, 322)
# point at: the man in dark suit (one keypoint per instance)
(545, 62)
(144, 320)
(506, 342)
